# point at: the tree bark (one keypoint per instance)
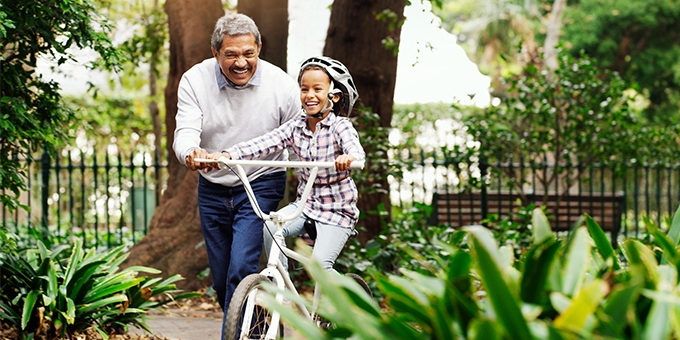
(355, 37)
(174, 231)
(553, 35)
(271, 17)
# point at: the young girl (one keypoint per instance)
(324, 133)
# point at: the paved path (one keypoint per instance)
(192, 326)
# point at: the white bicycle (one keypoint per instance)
(247, 318)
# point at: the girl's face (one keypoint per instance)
(314, 88)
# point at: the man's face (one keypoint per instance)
(238, 57)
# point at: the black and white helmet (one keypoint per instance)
(338, 73)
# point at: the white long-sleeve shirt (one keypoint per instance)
(214, 115)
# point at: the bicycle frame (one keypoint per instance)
(274, 268)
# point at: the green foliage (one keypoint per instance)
(577, 287)
(638, 39)
(43, 292)
(576, 115)
(374, 140)
(33, 114)
(405, 243)
(120, 120)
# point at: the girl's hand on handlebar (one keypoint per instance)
(343, 161)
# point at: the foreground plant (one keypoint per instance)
(578, 287)
(41, 294)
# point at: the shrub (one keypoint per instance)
(43, 294)
(560, 288)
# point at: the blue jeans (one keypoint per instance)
(232, 231)
(330, 239)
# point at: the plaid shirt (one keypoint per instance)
(334, 195)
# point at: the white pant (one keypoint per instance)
(330, 239)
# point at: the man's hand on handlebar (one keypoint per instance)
(343, 161)
(192, 164)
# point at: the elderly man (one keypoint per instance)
(222, 101)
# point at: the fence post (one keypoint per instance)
(45, 159)
(483, 168)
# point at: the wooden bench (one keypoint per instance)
(461, 209)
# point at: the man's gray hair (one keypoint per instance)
(232, 24)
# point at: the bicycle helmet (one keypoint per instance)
(338, 73)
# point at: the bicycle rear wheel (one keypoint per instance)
(247, 301)
(325, 324)
(361, 283)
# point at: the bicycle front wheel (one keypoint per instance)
(246, 311)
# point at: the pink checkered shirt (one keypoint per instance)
(334, 196)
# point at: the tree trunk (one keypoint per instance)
(355, 37)
(174, 230)
(553, 35)
(271, 17)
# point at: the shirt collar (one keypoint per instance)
(223, 81)
(328, 121)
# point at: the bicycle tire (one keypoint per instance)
(260, 315)
(325, 324)
(360, 280)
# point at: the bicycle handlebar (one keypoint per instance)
(224, 162)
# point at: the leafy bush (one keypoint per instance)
(43, 294)
(560, 288)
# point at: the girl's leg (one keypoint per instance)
(291, 228)
(329, 242)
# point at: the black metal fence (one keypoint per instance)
(106, 201)
(621, 197)
(109, 200)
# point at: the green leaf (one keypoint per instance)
(674, 231)
(576, 262)
(504, 304)
(537, 264)
(641, 262)
(602, 244)
(540, 226)
(97, 292)
(29, 303)
(91, 307)
(582, 307)
(481, 329)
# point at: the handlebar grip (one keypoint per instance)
(357, 165)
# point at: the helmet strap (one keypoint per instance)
(328, 105)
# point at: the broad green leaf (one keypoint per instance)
(537, 264)
(99, 292)
(29, 303)
(576, 262)
(618, 304)
(641, 262)
(88, 308)
(540, 226)
(74, 261)
(504, 304)
(670, 253)
(149, 270)
(582, 307)
(657, 324)
(602, 244)
(674, 231)
(481, 329)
